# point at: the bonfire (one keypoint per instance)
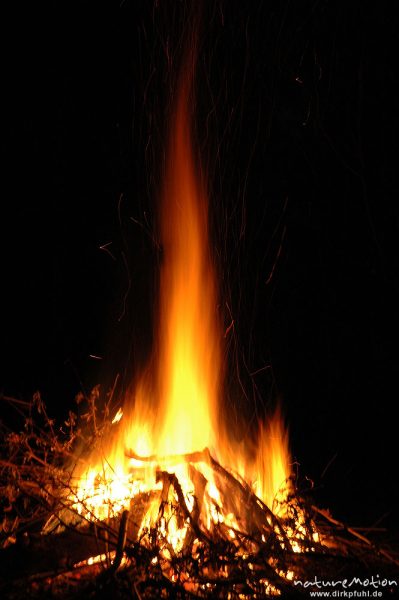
(152, 496)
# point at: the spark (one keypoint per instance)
(118, 416)
(105, 248)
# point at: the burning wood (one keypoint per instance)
(167, 543)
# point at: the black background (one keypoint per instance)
(296, 122)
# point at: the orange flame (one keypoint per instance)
(189, 332)
(273, 462)
(178, 413)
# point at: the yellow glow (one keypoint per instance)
(118, 416)
(189, 332)
(273, 462)
(175, 406)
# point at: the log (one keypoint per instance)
(240, 494)
(35, 553)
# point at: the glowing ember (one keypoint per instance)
(159, 458)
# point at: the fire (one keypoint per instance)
(162, 445)
(273, 463)
(189, 332)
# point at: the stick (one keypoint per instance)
(260, 509)
(326, 515)
(120, 546)
(172, 480)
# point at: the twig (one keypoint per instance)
(120, 546)
(172, 480)
(355, 533)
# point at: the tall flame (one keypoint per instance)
(189, 332)
(273, 462)
(177, 412)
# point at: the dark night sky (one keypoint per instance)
(297, 126)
